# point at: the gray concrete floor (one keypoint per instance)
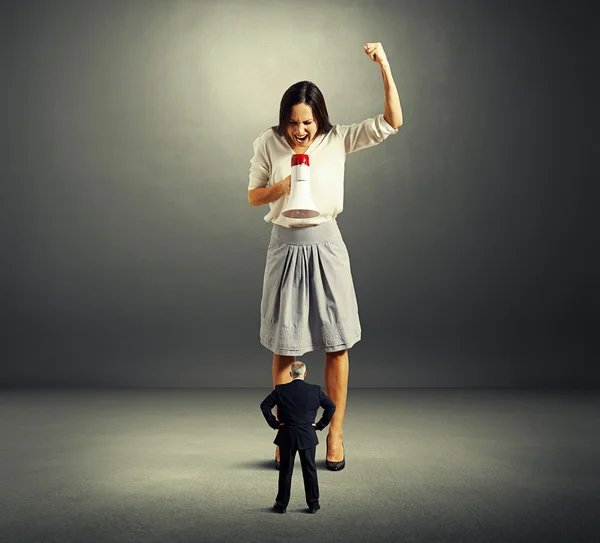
(179, 465)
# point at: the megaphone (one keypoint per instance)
(300, 204)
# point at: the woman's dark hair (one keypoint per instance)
(308, 92)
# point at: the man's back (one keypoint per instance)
(298, 403)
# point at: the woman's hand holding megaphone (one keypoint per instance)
(287, 184)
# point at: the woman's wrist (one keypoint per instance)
(275, 192)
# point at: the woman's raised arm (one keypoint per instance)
(392, 111)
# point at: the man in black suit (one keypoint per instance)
(298, 403)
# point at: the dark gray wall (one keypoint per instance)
(130, 254)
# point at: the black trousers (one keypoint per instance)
(309, 473)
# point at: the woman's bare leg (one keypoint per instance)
(336, 386)
(281, 375)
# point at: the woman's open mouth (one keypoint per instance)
(301, 140)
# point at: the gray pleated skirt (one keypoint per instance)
(308, 299)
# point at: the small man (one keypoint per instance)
(298, 403)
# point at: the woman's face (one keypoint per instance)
(302, 127)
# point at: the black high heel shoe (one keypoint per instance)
(335, 466)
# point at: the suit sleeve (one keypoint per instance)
(266, 406)
(329, 409)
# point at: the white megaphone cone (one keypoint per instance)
(300, 204)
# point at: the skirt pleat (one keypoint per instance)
(308, 301)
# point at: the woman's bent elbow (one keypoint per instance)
(255, 197)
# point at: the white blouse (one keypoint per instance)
(272, 163)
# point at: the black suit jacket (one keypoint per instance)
(298, 403)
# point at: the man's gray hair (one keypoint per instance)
(298, 369)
